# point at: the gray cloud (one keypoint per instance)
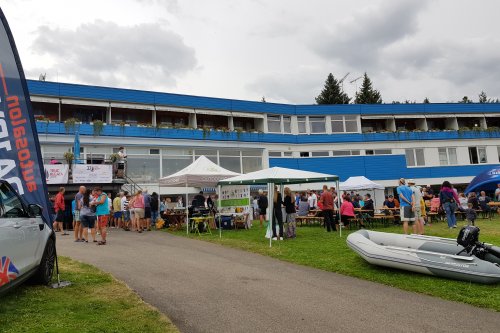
(358, 39)
(145, 56)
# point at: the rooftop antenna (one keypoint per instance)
(342, 82)
(42, 77)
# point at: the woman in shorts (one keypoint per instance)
(138, 206)
(87, 216)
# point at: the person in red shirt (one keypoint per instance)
(326, 200)
(59, 209)
(346, 211)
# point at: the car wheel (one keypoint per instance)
(44, 273)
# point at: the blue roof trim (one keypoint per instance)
(79, 91)
(193, 134)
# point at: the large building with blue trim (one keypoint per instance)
(165, 132)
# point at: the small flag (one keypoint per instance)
(8, 271)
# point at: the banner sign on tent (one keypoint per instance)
(92, 173)
(21, 161)
(56, 173)
(235, 196)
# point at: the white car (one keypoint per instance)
(27, 244)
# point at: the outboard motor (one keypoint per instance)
(468, 237)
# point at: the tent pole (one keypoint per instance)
(219, 209)
(187, 211)
(270, 213)
(339, 203)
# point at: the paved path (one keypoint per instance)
(205, 287)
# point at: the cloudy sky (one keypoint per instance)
(280, 49)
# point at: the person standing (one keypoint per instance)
(290, 213)
(78, 206)
(470, 214)
(125, 211)
(117, 211)
(59, 208)
(449, 201)
(312, 200)
(87, 216)
(147, 211)
(262, 203)
(138, 209)
(155, 207)
(102, 213)
(326, 200)
(277, 214)
(418, 226)
(407, 204)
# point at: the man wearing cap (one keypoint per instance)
(418, 226)
(407, 204)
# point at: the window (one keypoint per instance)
(319, 154)
(304, 154)
(301, 123)
(447, 156)
(378, 152)
(10, 204)
(287, 124)
(154, 152)
(415, 157)
(477, 155)
(274, 154)
(344, 124)
(274, 124)
(345, 152)
(317, 124)
(287, 154)
(498, 150)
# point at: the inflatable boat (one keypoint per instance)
(463, 259)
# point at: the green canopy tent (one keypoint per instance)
(276, 176)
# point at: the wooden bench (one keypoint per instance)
(309, 219)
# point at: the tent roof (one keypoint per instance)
(486, 180)
(201, 173)
(360, 183)
(278, 175)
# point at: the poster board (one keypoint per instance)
(235, 196)
(56, 173)
(92, 173)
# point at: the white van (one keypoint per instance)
(27, 244)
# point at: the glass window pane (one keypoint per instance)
(351, 126)
(252, 153)
(231, 163)
(176, 152)
(337, 126)
(319, 153)
(337, 118)
(420, 156)
(443, 158)
(229, 152)
(317, 124)
(355, 152)
(143, 169)
(287, 127)
(251, 164)
(304, 154)
(410, 157)
(473, 158)
(341, 152)
(351, 117)
(383, 151)
(274, 154)
(274, 124)
(302, 127)
(452, 155)
(206, 152)
(173, 164)
(482, 155)
(287, 153)
(369, 152)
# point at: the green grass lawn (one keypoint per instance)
(316, 248)
(95, 302)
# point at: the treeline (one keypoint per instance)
(333, 93)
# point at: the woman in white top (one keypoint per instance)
(463, 201)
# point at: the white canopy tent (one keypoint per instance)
(277, 176)
(201, 173)
(361, 183)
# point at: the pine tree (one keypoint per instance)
(426, 101)
(368, 95)
(465, 100)
(483, 98)
(332, 92)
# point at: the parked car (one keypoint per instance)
(27, 244)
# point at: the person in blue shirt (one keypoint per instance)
(407, 204)
(73, 209)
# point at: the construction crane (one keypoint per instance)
(356, 81)
(342, 82)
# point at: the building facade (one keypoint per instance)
(163, 133)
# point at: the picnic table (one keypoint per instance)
(176, 220)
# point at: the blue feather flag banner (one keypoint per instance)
(20, 157)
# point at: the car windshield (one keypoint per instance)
(9, 202)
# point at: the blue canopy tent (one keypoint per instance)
(485, 181)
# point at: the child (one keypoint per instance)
(470, 214)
